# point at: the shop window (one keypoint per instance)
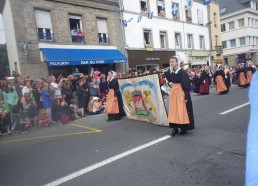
(175, 11)
(241, 23)
(102, 31)
(147, 37)
(202, 44)
(200, 17)
(161, 8)
(77, 34)
(190, 41)
(188, 14)
(231, 25)
(44, 25)
(232, 43)
(178, 40)
(144, 6)
(242, 41)
(223, 27)
(163, 39)
(224, 44)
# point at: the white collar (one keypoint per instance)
(175, 72)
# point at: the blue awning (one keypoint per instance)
(67, 57)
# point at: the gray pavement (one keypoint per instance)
(213, 154)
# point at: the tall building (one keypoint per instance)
(60, 36)
(239, 24)
(215, 34)
(158, 29)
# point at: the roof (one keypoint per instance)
(230, 6)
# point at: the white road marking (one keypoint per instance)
(235, 108)
(105, 162)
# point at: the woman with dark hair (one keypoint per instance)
(82, 94)
(11, 98)
(180, 108)
(114, 107)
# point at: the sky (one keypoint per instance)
(2, 36)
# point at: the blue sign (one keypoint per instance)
(86, 62)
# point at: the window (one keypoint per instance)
(224, 44)
(163, 39)
(102, 31)
(44, 25)
(175, 11)
(161, 8)
(76, 28)
(202, 47)
(241, 23)
(215, 19)
(242, 41)
(200, 17)
(256, 6)
(144, 6)
(147, 37)
(231, 25)
(223, 27)
(188, 14)
(190, 41)
(178, 40)
(232, 43)
(250, 23)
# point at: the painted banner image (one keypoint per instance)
(142, 99)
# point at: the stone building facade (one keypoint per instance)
(24, 38)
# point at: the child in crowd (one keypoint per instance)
(44, 118)
(22, 122)
(76, 112)
(96, 106)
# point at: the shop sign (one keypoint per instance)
(152, 59)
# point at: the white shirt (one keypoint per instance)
(25, 90)
(57, 89)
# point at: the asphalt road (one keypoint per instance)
(211, 155)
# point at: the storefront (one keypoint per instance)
(145, 60)
(198, 58)
(65, 61)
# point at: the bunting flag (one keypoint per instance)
(150, 15)
(175, 8)
(206, 2)
(139, 18)
(124, 23)
(189, 3)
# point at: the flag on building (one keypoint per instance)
(139, 18)
(175, 8)
(150, 15)
(189, 3)
(206, 2)
(124, 23)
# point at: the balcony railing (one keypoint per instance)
(219, 50)
(104, 40)
(78, 39)
(45, 36)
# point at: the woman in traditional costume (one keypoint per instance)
(114, 107)
(180, 108)
(242, 76)
(204, 82)
(219, 80)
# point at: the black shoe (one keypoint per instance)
(109, 119)
(174, 132)
(182, 132)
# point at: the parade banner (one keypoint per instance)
(142, 99)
